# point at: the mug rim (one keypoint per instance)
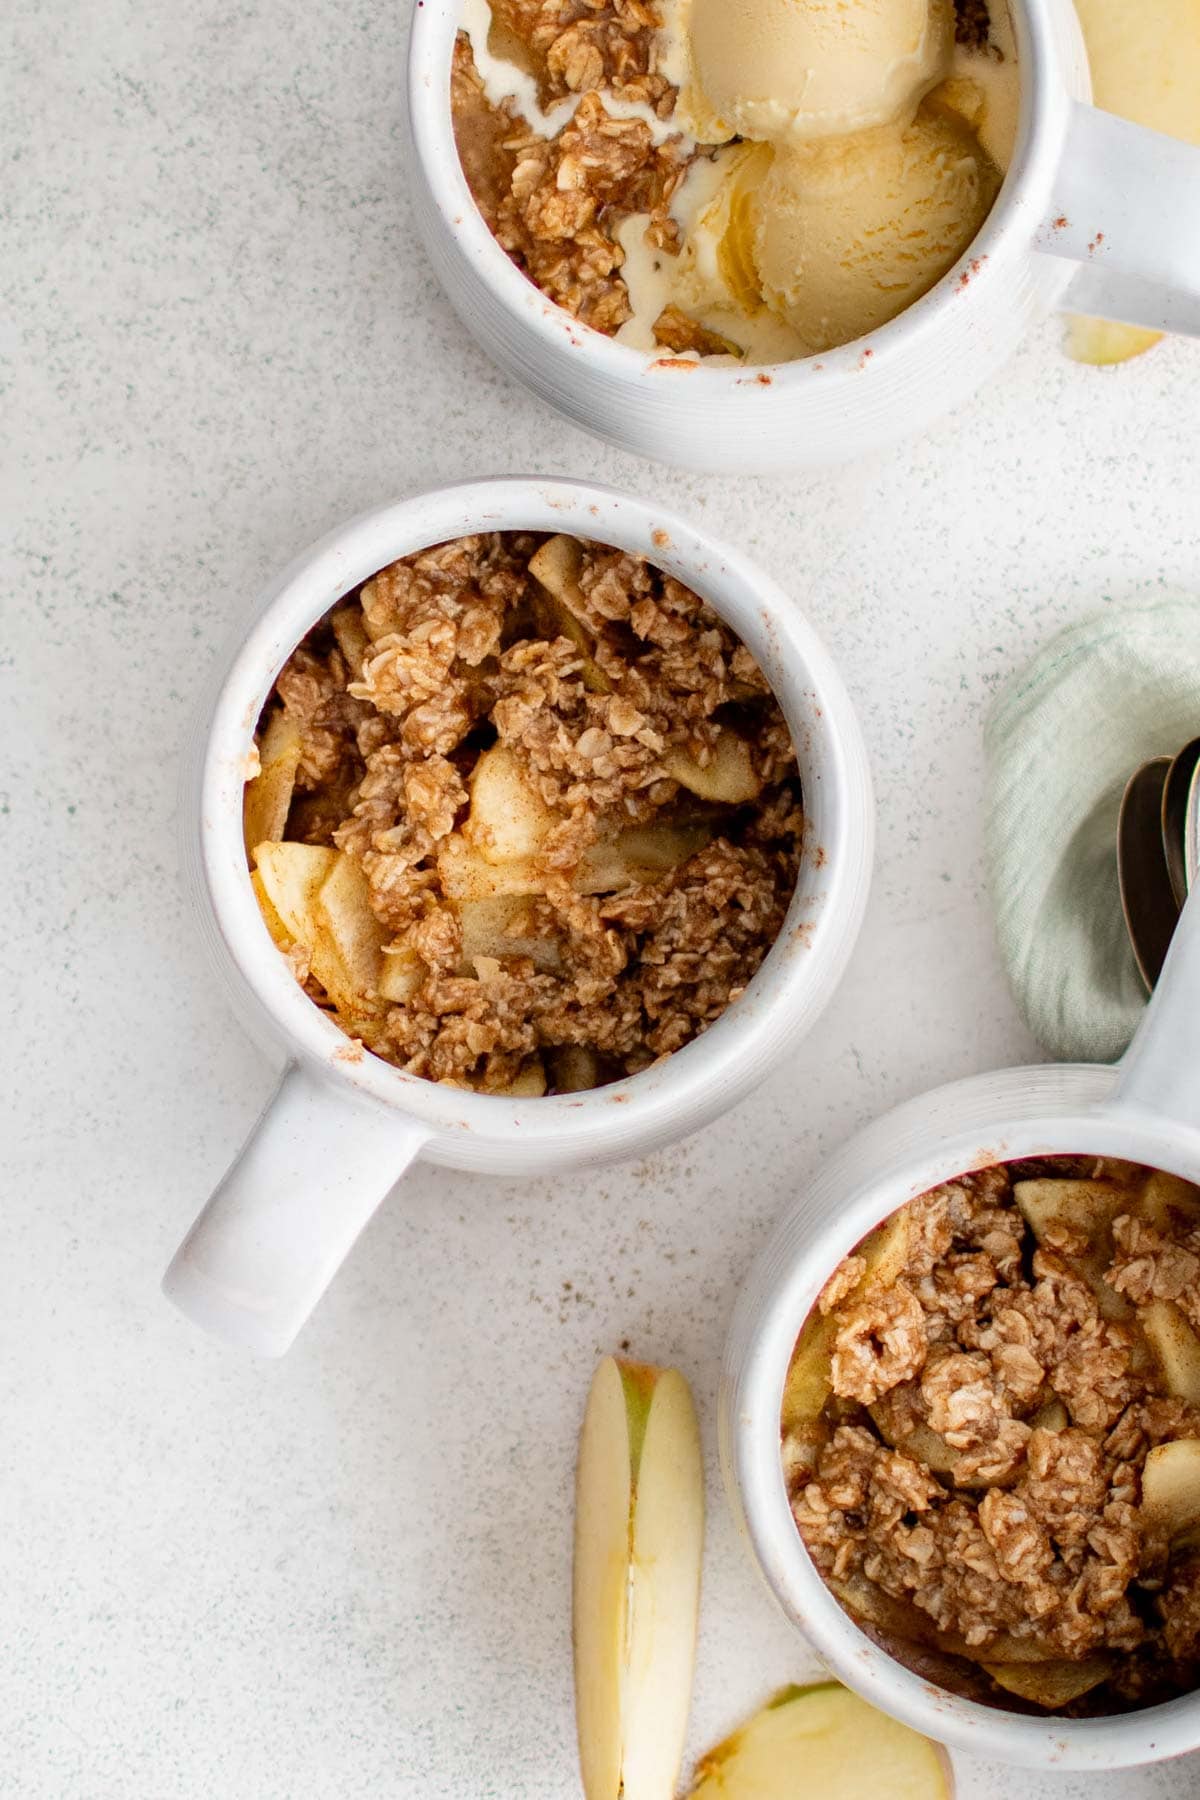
(1087, 1118)
(803, 966)
(1022, 197)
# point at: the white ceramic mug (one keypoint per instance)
(344, 1125)
(1095, 216)
(1146, 1110)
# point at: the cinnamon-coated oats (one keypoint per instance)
(973, 1484)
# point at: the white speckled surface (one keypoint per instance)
(346, 1575)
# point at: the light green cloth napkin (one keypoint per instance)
(1062, 740)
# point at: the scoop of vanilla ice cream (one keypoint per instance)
(808, 68)
(850, 231)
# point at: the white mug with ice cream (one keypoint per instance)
(911, 205)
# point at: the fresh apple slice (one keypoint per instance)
(727, 777)
(508, 820)
(1171, 1488)
(1145, 63)
(1174, 1347)
(1051, 1684)
(823, 1741)
(639, 1530)
(268, 798)
(1101, 343)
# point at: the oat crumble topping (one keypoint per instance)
(974, 1428)
(574, 696)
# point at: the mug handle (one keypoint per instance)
(1160, 1071)
(1125, 206)
(288, 1212)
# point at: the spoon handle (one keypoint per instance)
(1160, 1071)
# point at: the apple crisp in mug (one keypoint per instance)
(528, 816)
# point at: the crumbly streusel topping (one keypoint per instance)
(458, 651)
(967, 1471)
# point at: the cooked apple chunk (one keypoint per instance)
(508, 821)
(1174, 1347)
(728, 776)
(1051, 1684)
(1171, 1488)
(268, 798)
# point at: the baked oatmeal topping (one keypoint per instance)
(542, 817)
(991, 1433)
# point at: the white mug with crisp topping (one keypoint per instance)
(1147, 1111)
(1095, 216)
(344, 1125)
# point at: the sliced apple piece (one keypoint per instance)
(823, 1740)
(728, 776)
(466, 875)
(920, 1442)
(1166, 1202)
(1102, 343)
(1086, 1209)
(508, 820)
(1051, 1684)
(808, 1385)
(1052, 1415)
(639, 1530)
(268, 798)
(350, 938)
(280, 935)
(1174, 1347)
(529, 1083)
(400, 975)
(1171, 1488)
(575, 1069)
(556, 567)
(885, 1251)
(638, 853)
(350, 633)
(487, 930)
(1145, 63)
(291, 876)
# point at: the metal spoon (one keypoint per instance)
(1191, 833)
(1147, 896)
(1177, 795)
